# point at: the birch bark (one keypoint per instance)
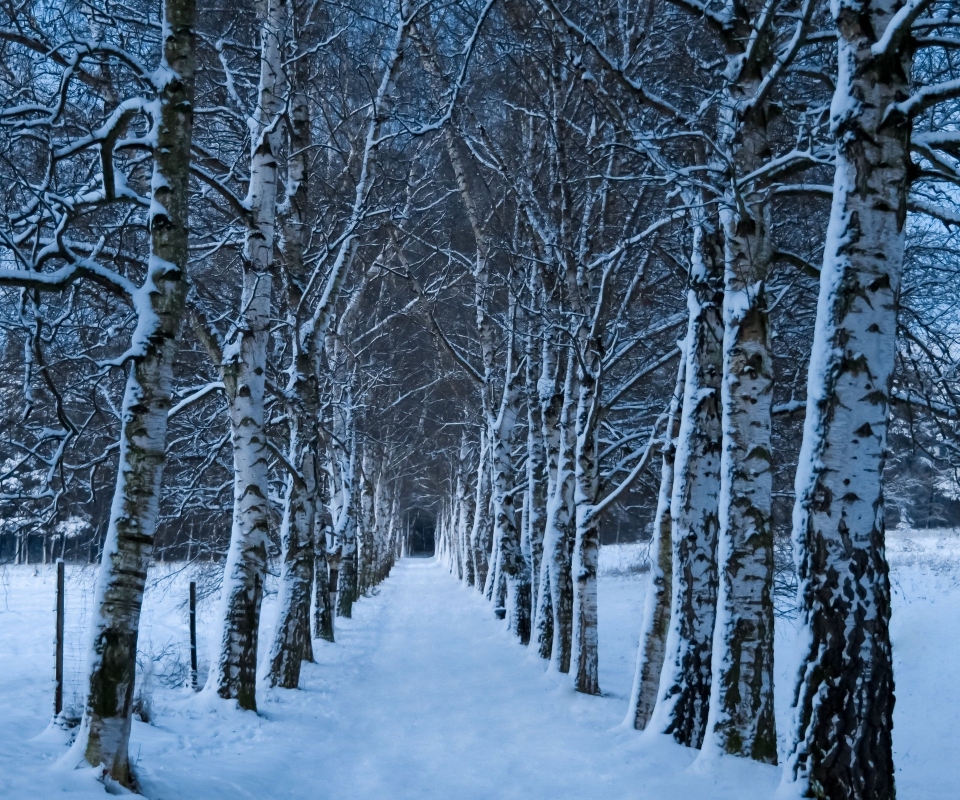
(536, 474)
(464, 513)
(323, 606)
(684, 694)
(843, 715)
(480, 532)
(741, 714)
(587, 534)
(366, 527)
(556, 580)
(512, 566)
(292, 642)
(244, 373)
(127, 549)
(656, 607)
(551, 397)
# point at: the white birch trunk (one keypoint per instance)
(556, 583)
(366, 527)
(585, 642)
(244, 373)
(292, 643)
(480, 530)
(843, 716)
(551, 397)
(510, 560)
(104, 733)
(346, 527)
(656, 607)
(465, 514)
(534, 517)
(741, 714)
(684, 693)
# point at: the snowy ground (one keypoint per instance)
(426, 696)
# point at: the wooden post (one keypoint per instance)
(193, 634)
(58, 693)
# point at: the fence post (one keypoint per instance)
(58, 694)
(193, 634)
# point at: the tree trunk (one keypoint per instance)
(481, 518)
(244, 372)
(514, 571)
(844, 702)
(684, 693)
(292, 643)
(741, 715)
(105, 730)
(464, 515)
(587, 538)
(323, 606)
(551, 398)
(656, 607)
(347, 593)
(559, 536)
(366, 528)
(536, 497)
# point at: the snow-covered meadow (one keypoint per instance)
(425, 695)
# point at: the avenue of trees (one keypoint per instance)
(280, 279)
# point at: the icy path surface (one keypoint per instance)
(425, 695)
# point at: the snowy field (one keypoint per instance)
(425, 695)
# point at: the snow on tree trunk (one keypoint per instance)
(587, 537)
(244, 371)
(534, 516)
(684, 693)
(481, 517)
(128, 547)
(741, 715)
(514, 571)
(656, 608)
(559, 535)
(292, 643)
(843, 713)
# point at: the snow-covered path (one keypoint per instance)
(425, 695)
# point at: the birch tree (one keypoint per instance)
(159, 304)
(105, 730)
(842, 744)
(244, 371)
